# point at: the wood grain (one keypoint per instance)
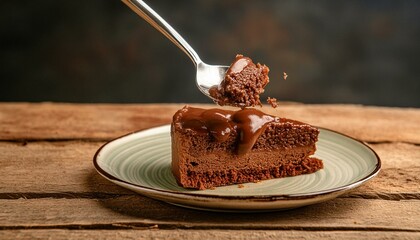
(65, 169)
(35, 121)
(138, 211)
(198, 234)
(49, 187)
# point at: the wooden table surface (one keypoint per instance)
(50, 189)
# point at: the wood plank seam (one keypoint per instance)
(168, 226)
(105, 140)
(62, 195)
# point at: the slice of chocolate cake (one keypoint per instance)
(216, 147)
(243, 83)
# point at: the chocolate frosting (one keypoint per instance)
(249, 123)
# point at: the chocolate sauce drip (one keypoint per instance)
(249, 123)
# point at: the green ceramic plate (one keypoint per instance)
(141, 162)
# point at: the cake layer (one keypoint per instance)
(212, 178)
(219, 162)
(229, 160)
(280, 135)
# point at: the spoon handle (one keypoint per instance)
(148, 14)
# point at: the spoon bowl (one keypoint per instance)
(207, 75)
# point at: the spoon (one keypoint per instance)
(207, 75)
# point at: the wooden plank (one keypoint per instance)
(66, 168)
(400, 173)
(45, 167)
(107, 121)
(137, 211)
(199, 234)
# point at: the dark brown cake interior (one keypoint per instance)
(243, 83)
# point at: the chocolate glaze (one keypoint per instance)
(249, 123)
(239, 64)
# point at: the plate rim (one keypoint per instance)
(259, 198)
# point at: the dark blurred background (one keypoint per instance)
(360, 51)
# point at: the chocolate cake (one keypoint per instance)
(243, 83)
(215, 147)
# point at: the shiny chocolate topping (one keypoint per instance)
(249, 124)
(239, 64)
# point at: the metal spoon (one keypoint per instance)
(207, 75)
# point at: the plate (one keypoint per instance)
(141, 162)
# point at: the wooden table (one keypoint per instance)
(50, 189)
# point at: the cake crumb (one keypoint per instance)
(285, 75)
(272, 102)
(241, 186)
(213, 188)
